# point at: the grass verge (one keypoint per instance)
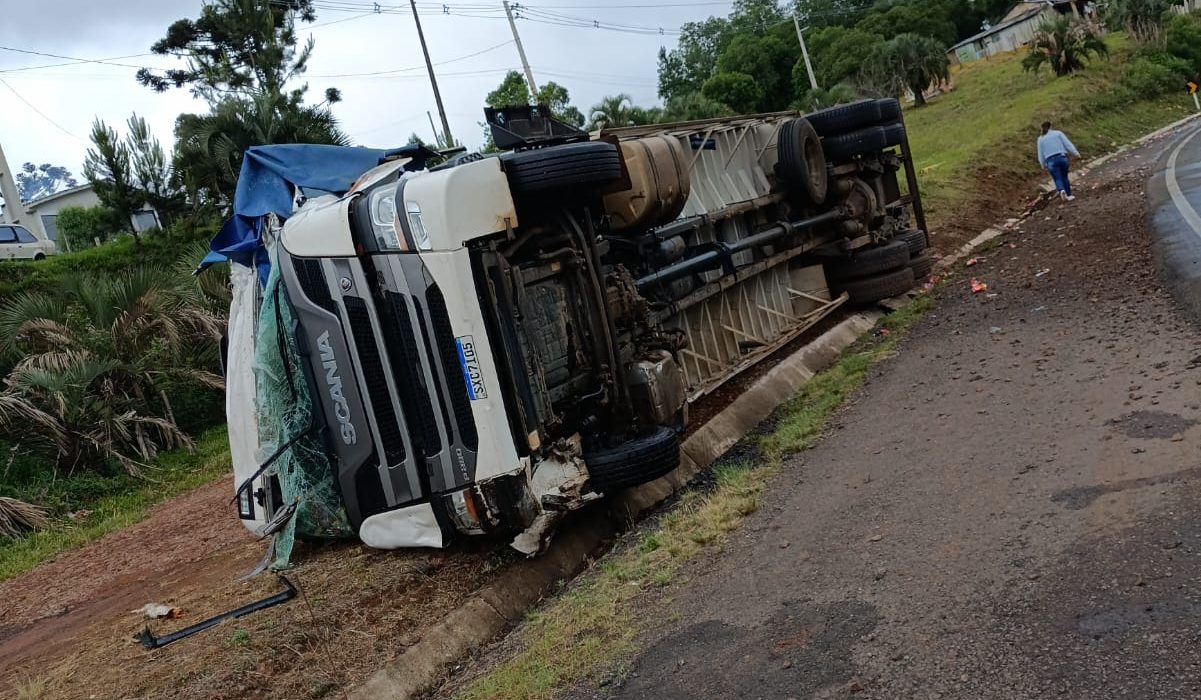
(594, 623)
(976, 144)
(116, 502)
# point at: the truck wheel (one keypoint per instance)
(916, 240)
(845, 118)
(870, 290)
(637, 461)
(856, 143)
(922, 266)
(561, 169)
(457, 160)
(801, 160)
(869, 261)
(890, 109)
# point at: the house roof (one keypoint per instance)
(1032, 12)
(30, 206)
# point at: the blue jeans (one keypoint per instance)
(1058, 165)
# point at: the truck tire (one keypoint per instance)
(578, 167)
(802, 163)
(637, 461)
(922, 266)
(457, 160)
(890, 109)
(874, 138)
(846, 118)
(869, 261)
(916, 240)
(870, 290)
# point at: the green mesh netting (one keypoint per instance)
(284, 411)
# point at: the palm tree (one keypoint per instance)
(1065, 45)
(96, 358)
(613, 112)
(19, 517)
(210, 146)
(907, 62)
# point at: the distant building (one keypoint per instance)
(43, 213)
(1017, 28)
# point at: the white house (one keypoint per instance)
(43, 213)
(40, 216)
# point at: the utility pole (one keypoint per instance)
(529, 74)
(804, 51)
(433, 80)
(433, 128)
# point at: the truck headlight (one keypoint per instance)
(420, 235)
(382, 208)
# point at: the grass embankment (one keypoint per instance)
(594, 622)
(110, 502)
(974, 147)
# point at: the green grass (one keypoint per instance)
(594, 623)
(115, 502)
(982, 134)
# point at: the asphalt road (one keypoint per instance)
(1174, 203)
(1009, 508)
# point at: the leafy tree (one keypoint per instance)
(242, 57)
(209, 147)
(837, 53)
(691, 107)
(513, 91)
(82, 226)
(929, 18)
(829, 13)
(738, 91)
(907, 62)
(1064, 45)
(244, 47)
(37, 181)
(109, 168)
(95, 358)
(1143, 19)
(770, 60)
(685, 69)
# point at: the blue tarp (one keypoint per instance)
(266, 184)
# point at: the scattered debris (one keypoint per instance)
(855, 687)
(158, 611)
(875, 538)
(1037, 309)
(978, 286)
(148, 640)
(994, 330)
(1040, 273)
(973, 262)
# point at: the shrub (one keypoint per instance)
(738, 91)
(1182, 39)
(1065, 45)
(1153, 73)
(81, 227)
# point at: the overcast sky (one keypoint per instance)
(375, 111)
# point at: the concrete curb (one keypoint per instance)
(499, 606)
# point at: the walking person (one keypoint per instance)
(1053, 150)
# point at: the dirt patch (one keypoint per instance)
(1150, 425)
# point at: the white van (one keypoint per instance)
(17, 243)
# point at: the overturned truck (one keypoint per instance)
(483, 346)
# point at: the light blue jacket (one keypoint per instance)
(1054, 143)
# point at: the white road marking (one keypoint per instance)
(1182, 204)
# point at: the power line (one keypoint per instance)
(39, 112)
(72, 59)
(410, 68)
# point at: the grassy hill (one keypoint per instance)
(975, 146)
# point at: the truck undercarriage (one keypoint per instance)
(492, 343)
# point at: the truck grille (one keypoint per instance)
(406, 364)
(377, 383)
(312, 282)
(448, 351)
